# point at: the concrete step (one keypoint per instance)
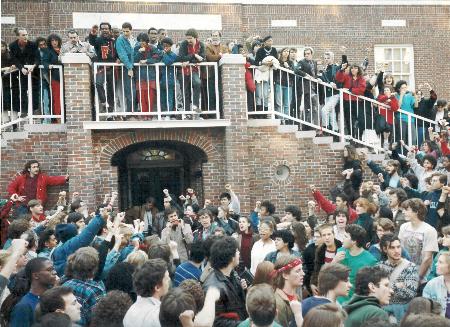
(337, 145)
(263, 122)
(14, 135)
(44, 128)
(323, 140)
(287, 128)
(305, 134)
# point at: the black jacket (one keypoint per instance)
(50, 57)
(26, 56)
(320, 260)
(263, 53)
(308, 264)
(303, 68)
(104, 48)
(231, 301)
(183, 54)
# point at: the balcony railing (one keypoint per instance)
(37, 97)
(295, 100)
(156, 91)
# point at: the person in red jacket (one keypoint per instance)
(354, 83)
(32, 184)
(389, 99)
(329, 207)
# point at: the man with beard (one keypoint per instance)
(104, 46)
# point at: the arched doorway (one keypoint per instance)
(146, 168)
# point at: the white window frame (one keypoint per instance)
(410, 47)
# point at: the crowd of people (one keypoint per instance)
(298, 86)
(373, 254)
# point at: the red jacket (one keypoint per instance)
(249, 82)
(18, 185)
(388, 113)
(329, 207)
(4, 214)
(357, 86)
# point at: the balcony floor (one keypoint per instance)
(155, 124)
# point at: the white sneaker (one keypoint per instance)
(167, 118)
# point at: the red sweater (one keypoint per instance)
(356, 86)
(385, 112)
(329, 207)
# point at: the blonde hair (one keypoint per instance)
(137, 258)
(4, 256)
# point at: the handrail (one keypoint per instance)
(360, 110)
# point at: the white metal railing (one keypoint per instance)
(156, 91)
(32, 98)
(298, 103)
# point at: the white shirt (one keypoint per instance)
(259, 252)
(417, 241)
(143, 313)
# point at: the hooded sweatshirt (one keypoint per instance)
(362, 308)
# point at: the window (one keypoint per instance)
(399, 60)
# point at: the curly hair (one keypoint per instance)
(194, 287)
(222, 252)
(18, 227)
(111, 309)
(416, 206)
(82, 264)
(286, 237)
(149, 275)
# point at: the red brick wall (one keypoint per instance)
(322, 27)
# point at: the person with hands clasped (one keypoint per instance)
(178, 231)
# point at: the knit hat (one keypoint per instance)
(267, 38)
(65, 232)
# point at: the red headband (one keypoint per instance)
(290, 265)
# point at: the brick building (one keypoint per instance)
(260, 158)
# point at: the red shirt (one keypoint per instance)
(30, 187)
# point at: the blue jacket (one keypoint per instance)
(125, 52)
(152, 55)
(168, 59)
(62, 251)
(272, 256)
(432, 216)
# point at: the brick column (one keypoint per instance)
(80, 152)
(236, 138)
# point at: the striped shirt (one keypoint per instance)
(186, 271)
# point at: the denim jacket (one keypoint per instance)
(436, 290)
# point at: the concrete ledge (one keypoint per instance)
(45, 128)
(287, 128)
(338, 145)
(14, 135)
(3, 143)
(162, 124)
(323, 140)
(305, 134)
(232, 59)
(263, 122)
(76, 58)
